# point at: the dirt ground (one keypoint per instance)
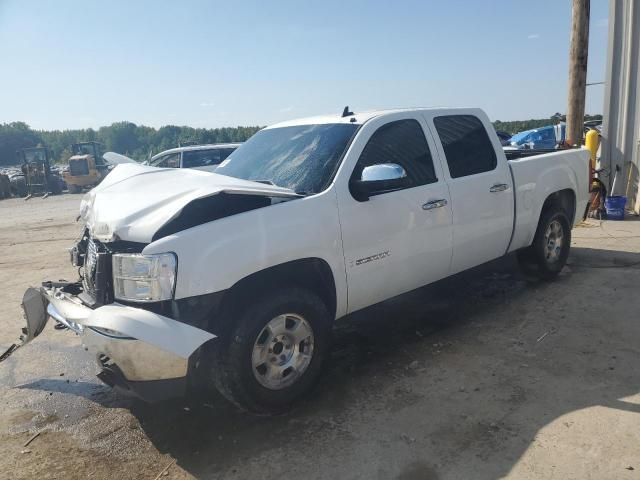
(481, 376)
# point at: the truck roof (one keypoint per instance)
(360, 117)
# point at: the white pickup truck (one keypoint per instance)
(235, 278)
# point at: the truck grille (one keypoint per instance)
(90, 263)
(96, 275)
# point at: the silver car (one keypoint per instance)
(201, 157)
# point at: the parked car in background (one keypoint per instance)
(201, 157)
(539, 138)
(505, 137)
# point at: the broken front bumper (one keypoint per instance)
(139, 351)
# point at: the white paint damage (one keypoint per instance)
(175, 337)
(134, 201)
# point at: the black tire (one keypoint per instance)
(537, 261)
(231, 365)
(56, 186)
(19, 187)
(75, 189)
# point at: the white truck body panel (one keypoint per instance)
(216, 255)
(134, 201)
(538, 177)
(375, 248)
(390, 243)
(412, 247)
(482, 220)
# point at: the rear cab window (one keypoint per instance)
(467, 147)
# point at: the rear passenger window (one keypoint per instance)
(466, 144)
(401, 142)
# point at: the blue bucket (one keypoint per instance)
(614, 206)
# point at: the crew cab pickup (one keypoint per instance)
(235, 278)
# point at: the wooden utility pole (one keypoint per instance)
(578, 54)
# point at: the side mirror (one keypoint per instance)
(380, 178)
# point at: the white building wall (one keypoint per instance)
(621, 125)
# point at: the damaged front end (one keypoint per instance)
(123, 306)
(140, 349)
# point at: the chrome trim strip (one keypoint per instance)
(57, 316)
(499, 187)
(435, 204)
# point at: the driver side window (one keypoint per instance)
(401, 142)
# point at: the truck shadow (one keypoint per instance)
(441, 379)
(373, 357)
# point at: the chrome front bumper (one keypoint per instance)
(138, 350)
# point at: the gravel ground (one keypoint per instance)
(480, 376)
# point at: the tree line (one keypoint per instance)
(516, 126)
(135, 141)
(140, 142)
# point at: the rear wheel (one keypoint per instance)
(548, 253)
(75, 189)
(274, 351)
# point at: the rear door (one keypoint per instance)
(396, 240)
(480, 187)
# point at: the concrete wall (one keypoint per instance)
(621, 126)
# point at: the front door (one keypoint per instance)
(401, 239)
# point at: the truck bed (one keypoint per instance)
(528, 152)
(536, 175)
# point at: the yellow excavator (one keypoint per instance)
(87, 168)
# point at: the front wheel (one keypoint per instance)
(548, 253)
(274, 351)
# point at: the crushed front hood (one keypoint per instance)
(134, 201)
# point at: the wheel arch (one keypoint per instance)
(564, 199)
(312, 273)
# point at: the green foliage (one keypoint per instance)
(139, 141)
(135, 141)
(522, 125)
(14, 136)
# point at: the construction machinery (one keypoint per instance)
(87, 168)
(37, 175)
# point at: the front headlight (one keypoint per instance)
(144, 278)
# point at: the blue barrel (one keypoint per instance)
(614, 206)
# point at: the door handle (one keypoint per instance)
(499, 187)
(434, 204)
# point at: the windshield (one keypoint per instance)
(34, 156)
(84, 149)
(302, 158)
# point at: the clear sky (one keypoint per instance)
(84, 63)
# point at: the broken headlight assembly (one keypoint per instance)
(144, 278)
